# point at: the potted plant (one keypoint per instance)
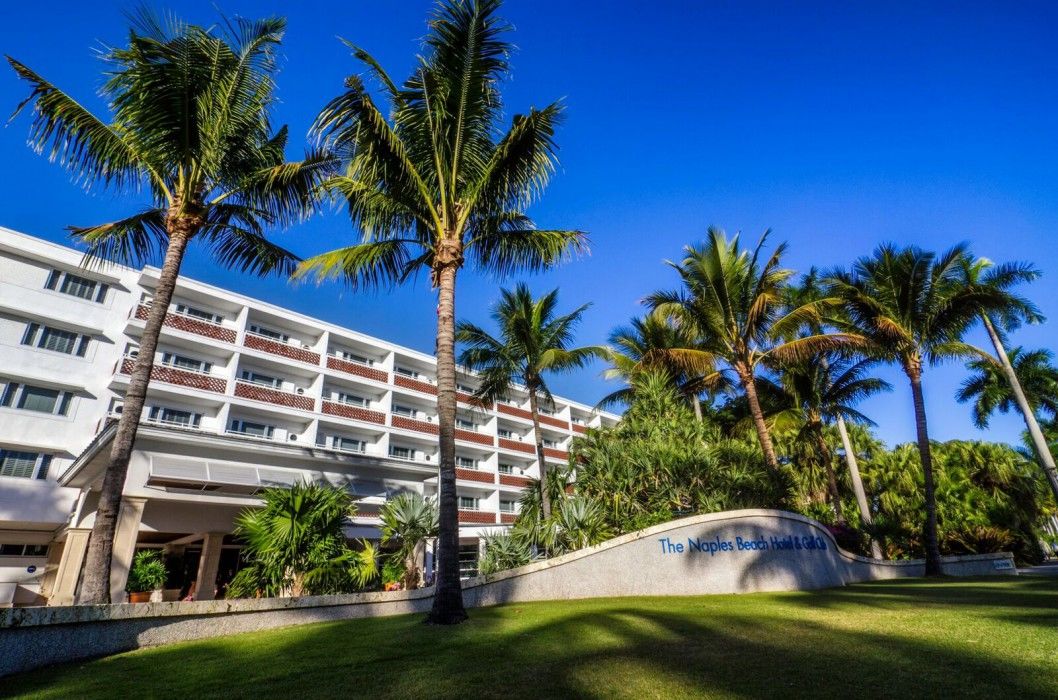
(147, 577)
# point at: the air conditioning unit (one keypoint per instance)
(299, 391)
(292, 438)
(306, 346)
(429, 419)
(134, 353)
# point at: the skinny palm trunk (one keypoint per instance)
(857, 484)
(95, 587)
(545, 497)
(832, 477)
(696, 404)
(448, 594)
(745, 375)
(1039, 442)
(913, 369)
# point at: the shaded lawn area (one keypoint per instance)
(949, 638)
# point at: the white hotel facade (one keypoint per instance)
(244, 395)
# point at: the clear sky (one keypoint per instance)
(838, 125)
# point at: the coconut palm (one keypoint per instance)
(533, 342)
(988, 388)
(408, 520)
(732, 302)
(434, 184)
(1015, 310)
(189, 125)
(911, 307)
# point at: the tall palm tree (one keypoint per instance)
(911, 307)
(1015, 311)
(988, 388)
(431, 185)
(190, 125)
(732, 303)
(533, 342)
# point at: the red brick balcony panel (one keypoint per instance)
(512, 411)
(414, 384)
(471, 436)
(191, 325)
(477, 517)
(180, 377)
(579, 428)
(471, 401)
(474, 475)
(273, 396)
(556, 454)
(507, 518)
(412, 424)
(282, 349)
(357, 369)
(554, 422)
(333, 408)
(512, 480)
(517, 446)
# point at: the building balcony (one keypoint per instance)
(414, 384)
(356, 368)
(465, 474)
(406, 423)
(507, 518)
(188, 324)
(513, 411)
(274, 347)
(476, 517)
(517, 446)
(554, 422)
(179, 376)
(342, 410)
(578, 428)
(257, 392)
(512, 480)
(471, 436)
(552, 453)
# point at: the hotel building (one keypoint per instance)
(244, 395)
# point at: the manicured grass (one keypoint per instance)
(954, 638)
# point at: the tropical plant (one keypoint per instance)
(189, 125)
(504, 550)
(408, 520)
(732, 303)
(911, 306)
(147, 573)
(533, 342)
(433, 184)
(295, 545)
(990, 391)
(1011, 313)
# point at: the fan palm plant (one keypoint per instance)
(532, 343)
(190, 126)
(911, 307)
(732, 303)
(430, 186)
(1012, 313)
(408, 520)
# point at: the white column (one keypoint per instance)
(125, 534)
(208, 565)
(64, 588)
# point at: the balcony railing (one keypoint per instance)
(169, 374)
(344, 410)
(257, 392)
(171, 423)
(275, 347)
(414, 384)
(189, 324)
(507, 518)
(476, 517)
(513, 411)
(552, 453)
(251, 436)
(579, 428)
(357, 368)
(513, 480)
(517, 446)
(467, 474)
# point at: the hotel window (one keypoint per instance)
(77, 286)
(468, 503)
(24, 465)
(465, 389)
(545, 411)
(351, 399)
(23, 550)
(504, 433)
(172, 416)
(198, 313)
(184, 362)
(550, 443)
(269, 333)
(577, 421)
(509, 469)
(35, 398)
(406, 372)
(261, 379)
(244, 427)
(353, 357)
(406, 411)
(401, 452)
(466, 424)
(466, 463)
(506, 506)
(56, 340)
(349, 444)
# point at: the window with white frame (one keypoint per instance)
(466, 462)
(350, 399)
(406, 372)
(509, 469)
(353, 357)
(504, 433)
(23, 550)
(174, 416)
(261, 379)
(77, 286)
(545, 411)
(550, 443)
(401, 452)
(577, 420)
(56, 340)
(268, 333)
(346, 444)
(245, 427)
(200, 314)
(172, 359)
(26, 397)
(24, 465)
(506, 506)
(466, 424)
(469, 503)
(401, 410)
(465, 388)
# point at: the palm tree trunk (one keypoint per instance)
(832, 478)
(913, 369)
(448, 593)
(1039, 442)
(696, 404)
(95, 587)
(545, 496)
(745, 375)
(857, 484)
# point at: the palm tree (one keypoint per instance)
(990, 391)
(912, 306)
(732, 303)
(409, 519)
(1015, 310)
(190, 124)
(533, 341)
(823, 388)
(430, 186)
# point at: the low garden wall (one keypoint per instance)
(733, 552)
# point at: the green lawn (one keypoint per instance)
(956, 638)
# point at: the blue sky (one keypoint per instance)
(838, 125)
